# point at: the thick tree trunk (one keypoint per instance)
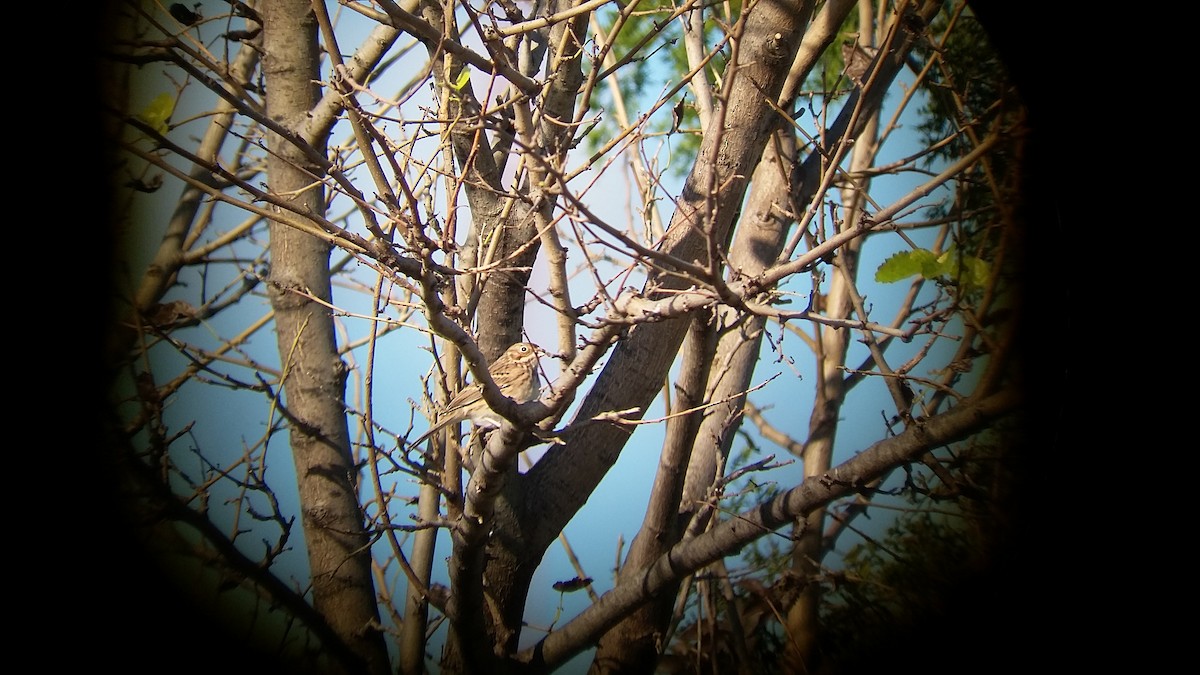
(706, 213)
(760, 238)
(314, 376)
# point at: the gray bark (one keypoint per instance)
(315, 376)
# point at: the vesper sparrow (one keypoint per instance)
(515, 372)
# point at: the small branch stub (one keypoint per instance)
(776, 49)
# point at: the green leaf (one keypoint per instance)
(906, 264)
(977, 271)
(158, 112)
(967, 270)
(464, 76)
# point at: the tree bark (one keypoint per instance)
(802, 621)
(730, 536)
(706, 212)
(314, 377)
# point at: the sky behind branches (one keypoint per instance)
(237, 421)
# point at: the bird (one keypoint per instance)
(857, 58)
(515, 373)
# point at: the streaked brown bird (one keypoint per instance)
(515, 373)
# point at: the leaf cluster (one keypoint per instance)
(952, 266)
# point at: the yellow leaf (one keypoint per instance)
(158, 112)
(464, 76)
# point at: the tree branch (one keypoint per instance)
(734, 534)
